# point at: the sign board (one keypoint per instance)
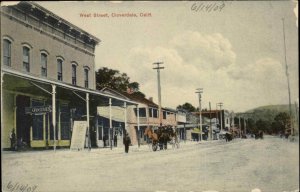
(78, 135)
(38, 109)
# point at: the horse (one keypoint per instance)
(152, 136)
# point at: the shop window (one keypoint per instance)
(26, 59)
(7, 52)
(59, 69)
(44, 64)
(65, 125)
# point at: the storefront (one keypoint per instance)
(42, 111)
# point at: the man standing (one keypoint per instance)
(12, 138)
(115, 140)
(126, 142)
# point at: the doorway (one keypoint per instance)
(24, 120)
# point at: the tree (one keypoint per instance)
(263, 125)
(113, 79)
(281, 122)
(186, 106)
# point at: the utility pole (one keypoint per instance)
(245, 115)
(199, 91)
(288, 80)
(220, 105)
(158, 68)
(210, 128)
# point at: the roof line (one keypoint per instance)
(61, 19)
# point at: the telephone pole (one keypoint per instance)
(158, 68)
(199, 91)
(220, 105)
(288, 80)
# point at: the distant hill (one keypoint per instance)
(270, 111)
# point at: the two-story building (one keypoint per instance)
(138, 116)
(47, 77)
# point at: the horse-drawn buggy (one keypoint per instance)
(160, 136)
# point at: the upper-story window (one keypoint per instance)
(164, 115)
(26, 59)
(86, 77)
(142, 112)
(7, 52)
(155, 113)
(74, 68)
(44, 64)
(59, 69)
(150, 112)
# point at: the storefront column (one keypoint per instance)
(110, 125)
(2, 81)
(125, 117)
(138, 123)
(88, 120)
(54, 115)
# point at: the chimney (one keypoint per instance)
(151, 99)
(129, 90)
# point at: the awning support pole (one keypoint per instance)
(138, 123)
(2, 81)
(41, 88)
(110, 124)
(79, 96)
(125, 117)
(88, 120)
(54, 115)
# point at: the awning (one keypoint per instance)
(16, 83)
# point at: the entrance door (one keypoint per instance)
(24, 121)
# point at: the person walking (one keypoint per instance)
(12, 138)
(126, 142)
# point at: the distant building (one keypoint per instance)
(140, 116)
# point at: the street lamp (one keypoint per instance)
(199, 91)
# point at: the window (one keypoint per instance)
(7, 52)
(86, 78)
(155, 113)
(164, 115)
(44, 64)
(59, 70)
(150, 112)
(74, 74)
(142, 112)
(26, 59)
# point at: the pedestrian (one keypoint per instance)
(115, 140)
(12, 138)
(104, 140)
(126, 142)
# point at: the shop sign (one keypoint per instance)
(38, 109)
(78, 135)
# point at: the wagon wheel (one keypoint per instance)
(154, 147)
